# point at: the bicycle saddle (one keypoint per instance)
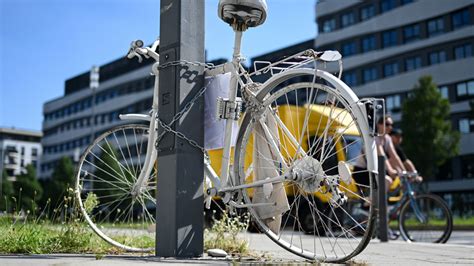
(242, 14)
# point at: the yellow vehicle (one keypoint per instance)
(342, 139)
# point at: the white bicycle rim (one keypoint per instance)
(323, 248)
(117, 215)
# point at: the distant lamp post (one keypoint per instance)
(94, 78)
(94, 85)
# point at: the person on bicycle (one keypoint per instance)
(385, 147)
(397, 137)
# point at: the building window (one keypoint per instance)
(34, 152)
(350, 78)
(370, 74)
(444, 92)
(393, 103)
(22, 151)
(466, 125)
(435, 26)
(465, 90)
(367, 12)
(460, 19)
(329, 25)
(347, 19)
(412, 63)
(437, 57)
(390, 69)
(349, 48)
(387, 5)
(463, 51)
(411, 33)
(389, 38)
(467, 166)
(368, 43)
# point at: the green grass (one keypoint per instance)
(58, 230)
(33, 237)
(457, 222)
(466, 221)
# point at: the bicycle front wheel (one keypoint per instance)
(310, 131)
(426, 218)
(105, 180)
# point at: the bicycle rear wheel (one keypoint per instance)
(426, 218)
(315, 126)
(106, 175)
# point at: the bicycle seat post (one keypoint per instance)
(240, 15)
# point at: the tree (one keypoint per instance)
(7, 192)
(27, 189)
(428, 137)
(108, 173)
(61, 180)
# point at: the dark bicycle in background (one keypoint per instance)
(419, 216)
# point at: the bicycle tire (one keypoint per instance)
(413, 230)
(273, 91)
(104, 181)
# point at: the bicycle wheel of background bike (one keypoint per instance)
(106, 174)
(426, 219)
(317, 114)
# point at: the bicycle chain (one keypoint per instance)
(177, 116)
(185, 62)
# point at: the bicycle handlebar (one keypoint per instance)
(408, 174)
(137, 50)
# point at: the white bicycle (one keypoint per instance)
(294, 124)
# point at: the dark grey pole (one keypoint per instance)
(179, 218)
(382, 201)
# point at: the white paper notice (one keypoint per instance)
(217, 86)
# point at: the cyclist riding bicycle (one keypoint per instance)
(397, 138)
(385, 147)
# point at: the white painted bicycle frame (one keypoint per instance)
(220, 183)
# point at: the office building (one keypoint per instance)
(19, 148)
(86, 110)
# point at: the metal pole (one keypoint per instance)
(382, 201)
(179, 213)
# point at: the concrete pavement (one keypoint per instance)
(377, 253)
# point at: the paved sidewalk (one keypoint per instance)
(377, 253)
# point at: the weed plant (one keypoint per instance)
(34, 232)
(63, 230)
(224, 234)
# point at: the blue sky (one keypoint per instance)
(45, 42)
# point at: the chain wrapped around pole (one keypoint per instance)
(186, 108)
